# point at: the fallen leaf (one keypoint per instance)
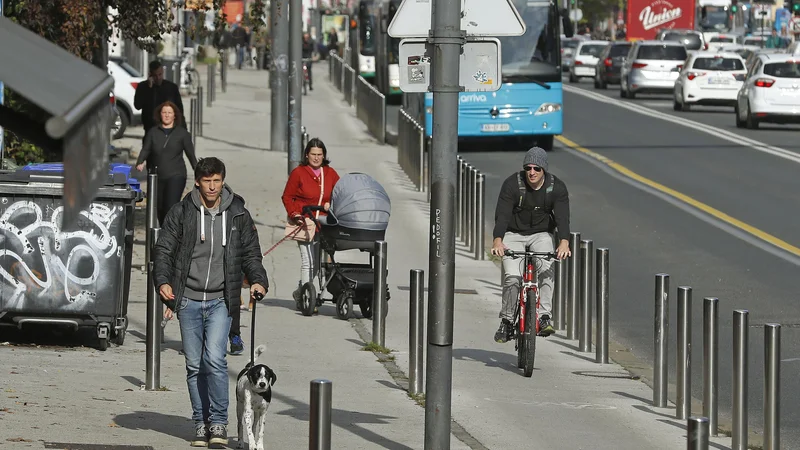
(113, 425)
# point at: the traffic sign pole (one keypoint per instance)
(447, 39)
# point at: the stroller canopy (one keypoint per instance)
(361, 203)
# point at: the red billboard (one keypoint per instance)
(646, 17)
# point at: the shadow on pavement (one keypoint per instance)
(176, 426)
(505, 361)
(347, 420)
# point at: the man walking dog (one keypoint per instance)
(208, 242)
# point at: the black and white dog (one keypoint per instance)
(253, 395)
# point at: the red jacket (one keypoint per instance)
(302, 189)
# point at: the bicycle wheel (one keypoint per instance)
(529, 337)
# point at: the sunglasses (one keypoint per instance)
(534, 168)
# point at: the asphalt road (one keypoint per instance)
(648, 234)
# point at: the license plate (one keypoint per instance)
(495, 127)
(719, 81)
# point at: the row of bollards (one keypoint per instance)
(700, 428)
(573, 292)
(411, 149)
(470, 205)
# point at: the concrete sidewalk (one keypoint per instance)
(54, 393)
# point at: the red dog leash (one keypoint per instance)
(290, 235)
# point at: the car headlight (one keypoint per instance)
(548, 108)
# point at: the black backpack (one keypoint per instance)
(550, 181)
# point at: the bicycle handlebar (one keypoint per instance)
(545, 255)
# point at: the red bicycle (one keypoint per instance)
(526, 316)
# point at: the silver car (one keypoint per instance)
(651, 67)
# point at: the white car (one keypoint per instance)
(719, 40)
(126, 78)
(709, 79)
(771, 92)
(585, 59)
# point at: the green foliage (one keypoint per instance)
(598, 10)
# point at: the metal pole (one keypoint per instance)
(193, 120)
(459, 196)
(319, 421)
(480, 228)
(561, 319)
(710, 361)
(379, 294)
(601, 348)
(473, 232)
(683, 401)
(445, 44)
(416, 336)
(772, 386)
(279, 107)
(153, 337)
(661, 340)
(223, 71)
(740, 368)
(585, 336)
(209, 82)
(295, 82)
(697, 433)
(213, 82)
(573, 264)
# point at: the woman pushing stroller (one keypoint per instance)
(310, 184)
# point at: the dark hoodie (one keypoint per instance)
(206, 278)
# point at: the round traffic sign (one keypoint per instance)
(576, 15)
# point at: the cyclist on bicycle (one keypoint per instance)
(308, 53)
(532, 205)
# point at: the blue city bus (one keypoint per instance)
(528, 108)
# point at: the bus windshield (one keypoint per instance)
(533, 56)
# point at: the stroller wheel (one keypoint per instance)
(366, 308)
(308, 302)
(344, 305)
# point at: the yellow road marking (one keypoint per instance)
(764, 236)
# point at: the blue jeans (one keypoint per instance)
(204, 333)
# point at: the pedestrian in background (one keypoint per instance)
(154, 92)
(162, 151)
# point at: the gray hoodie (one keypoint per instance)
(206, 279)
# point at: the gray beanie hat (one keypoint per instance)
(536, 156)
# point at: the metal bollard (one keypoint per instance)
(710, 362)
(473, 232)
(193, 120)
(480, 228)
(176, 73)
(213, 82)
(416, 331)
(573, 264)
(223, 71)
(563, 295)
(462, 201)
(772, 386)
(200, 111)
(697, 433)
(319, 420)
(585, 323)
(468, 205)
(661, 340)
(740, 368)
(601, 347)
(683, 401)
(459, 195)
(379, 294)
(210, 84)
(154, 315)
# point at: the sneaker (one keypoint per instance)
(545, 326)
(200, 438)
(237, 345)
(218, 436)
(504, 333)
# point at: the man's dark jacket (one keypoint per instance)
(148, 98)
(173, 251)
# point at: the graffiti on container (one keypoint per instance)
(43, 268)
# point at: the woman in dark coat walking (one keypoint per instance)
(164, 146)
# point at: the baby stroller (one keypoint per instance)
(358, 216)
